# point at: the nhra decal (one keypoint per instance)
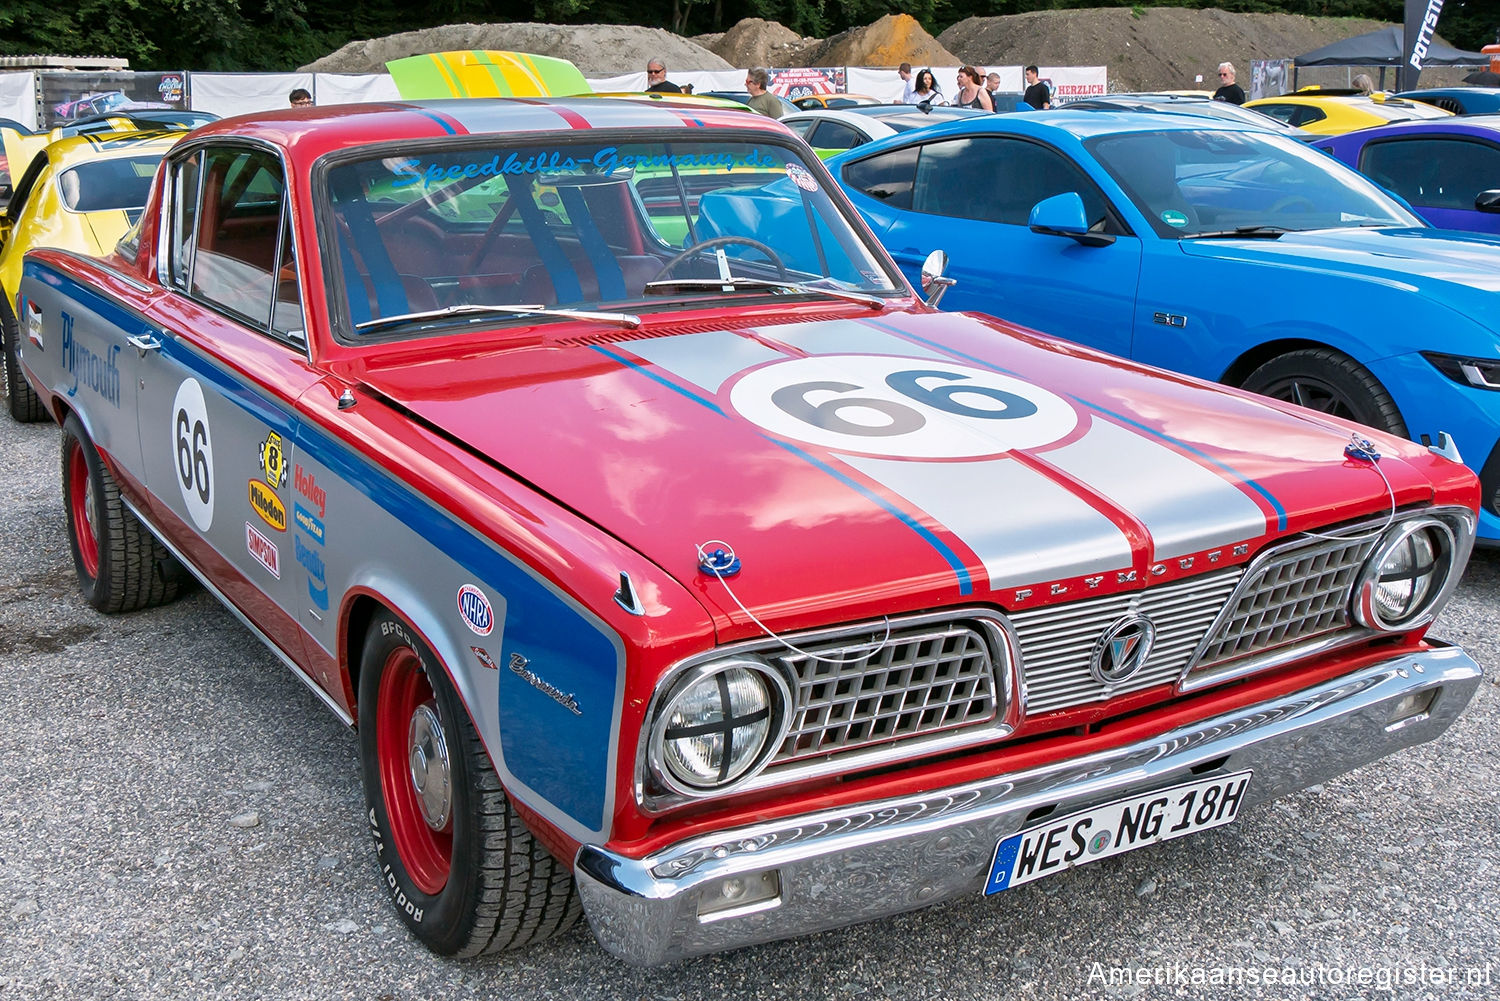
(317, 582)
(308, 522)
(33, 315)
(267, 505)
(90, 369)
(306, 484)
(273, 461)
(263, 550)
(193, 455)
(475, 609)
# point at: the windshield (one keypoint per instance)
(122, 183)
(1195, 183)
(586, 224)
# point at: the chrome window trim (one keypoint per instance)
(1003, 649)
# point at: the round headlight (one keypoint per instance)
(1405, 575)
(719, 723)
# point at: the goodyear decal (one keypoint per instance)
(309, 523)
(273, 461)
(263, 550)
(267, 505)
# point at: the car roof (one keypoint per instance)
(1486, 124)
(835, 115)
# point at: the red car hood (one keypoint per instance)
(877, 463)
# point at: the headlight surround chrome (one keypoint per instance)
(1408, 576)
(718, 725)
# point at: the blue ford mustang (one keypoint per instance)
(1222, 251)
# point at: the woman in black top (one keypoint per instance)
(971, 94)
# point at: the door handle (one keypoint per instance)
(143, 343)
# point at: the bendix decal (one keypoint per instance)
(475, 609)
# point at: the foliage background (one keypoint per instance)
(261, 35)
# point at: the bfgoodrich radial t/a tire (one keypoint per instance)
(1325, 380)
(25, 405)
(121, 566)
(465, 874)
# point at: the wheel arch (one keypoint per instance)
(1239, 370)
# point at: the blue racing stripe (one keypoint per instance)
(643, 370)
(448, 128)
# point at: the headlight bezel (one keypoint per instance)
(780, 703)
(1450, 560)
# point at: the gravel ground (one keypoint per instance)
(180, 818)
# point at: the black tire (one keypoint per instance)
(1330, 382)
(25, 405)
(121, 566)
(480, 882)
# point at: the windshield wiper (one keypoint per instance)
(1248, 232)
(628, 320)
(734, 284)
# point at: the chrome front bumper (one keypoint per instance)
(842, 866)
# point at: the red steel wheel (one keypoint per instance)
(83, 508)
(415, 770)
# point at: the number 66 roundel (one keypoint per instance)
(917, 408)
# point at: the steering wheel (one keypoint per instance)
(1301, 202)
(724, 241)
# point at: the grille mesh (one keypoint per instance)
(1297, 596)
(926, 679)
(1057, 642)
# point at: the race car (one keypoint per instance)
(679, 565)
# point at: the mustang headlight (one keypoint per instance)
(718, 724)
(1481, 373)
(1406, 576)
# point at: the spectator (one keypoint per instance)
(904, 72)
(1228, 89)
(970, 93)
(1364, 83)
(756, 81)
(925, 90)
(992, 87)
(300, 98)
(1037, 94)
(656, 78)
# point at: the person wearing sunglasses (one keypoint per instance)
(656, 79)
(1228, 89)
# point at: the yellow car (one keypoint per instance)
(81, 193)
(1332, 113)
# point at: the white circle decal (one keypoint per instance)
(916, 408)
(192, 453)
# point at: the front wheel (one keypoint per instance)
(465, 874)
(25, 405)
(1330, 382)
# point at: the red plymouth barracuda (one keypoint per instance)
(677, 564)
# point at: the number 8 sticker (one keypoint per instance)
(192, 453)
(918, 408)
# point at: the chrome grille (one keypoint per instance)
(1057, 642)
(926, 679)
(1294, 595)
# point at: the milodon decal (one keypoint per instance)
(192, 446)
(273, 461)
(263, 550)
(317, 575)
(309, 523)
(266, 504)
(475, 609)
(33, 314)
(97, 370)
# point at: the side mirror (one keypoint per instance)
(933, 282)
(1062, 215)
(1487, 201)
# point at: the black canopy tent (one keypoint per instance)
(1383, 48)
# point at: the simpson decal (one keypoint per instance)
(273, 461)
(911, 408)
(267, 505)
(263, 550)
(193, 454)
(33, 323)
(475, 609)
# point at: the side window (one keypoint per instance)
(836, 135)
(1307, 115)
(887, 177)
(995, 179)
(1436, 173)
(1280, 112)
(802, 128)
(236, 255)
(183, 219)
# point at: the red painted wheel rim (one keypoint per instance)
(427, 854)
(83, 509)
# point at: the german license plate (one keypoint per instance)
(1062, 843)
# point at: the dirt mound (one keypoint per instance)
(758, 42)
(890, 41)
(1159, 48)
(597, 49)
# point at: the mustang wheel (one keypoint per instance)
(1325, 380)
(462, 869)
(25, 405)
(121, 566)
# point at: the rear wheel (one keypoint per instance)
(1330, 382)
(121, 566)
(462, 869)
(25, 405)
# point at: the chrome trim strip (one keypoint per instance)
(270, 644)
(855, 863)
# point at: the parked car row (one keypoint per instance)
(680, 564)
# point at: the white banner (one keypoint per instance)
(226, 94)
(1068, 83)
(18, 97)
(354, 88)
(702, 81)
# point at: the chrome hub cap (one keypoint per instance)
(90, 507)
(431, 775)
